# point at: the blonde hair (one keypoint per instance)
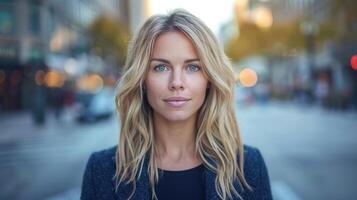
(217, 138)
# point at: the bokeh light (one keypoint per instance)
(263, 17)
(39, 77)
(90, 83)
(248, 77)
(70, 66)
(354, 62)
(54, 79)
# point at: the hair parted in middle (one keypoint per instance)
(217, 135)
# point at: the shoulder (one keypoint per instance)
(98, 174)
(105, 156)
(102, 163)
(256, 173)
(253, 162)
(252, 156)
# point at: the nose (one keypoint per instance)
(176, 81)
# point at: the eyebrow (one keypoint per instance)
(168, 62)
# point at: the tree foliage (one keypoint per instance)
(109, 38)
(278, 39)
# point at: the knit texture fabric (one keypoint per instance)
(99, 184)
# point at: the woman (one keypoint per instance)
(179, 137)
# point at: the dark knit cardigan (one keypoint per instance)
(98, 182)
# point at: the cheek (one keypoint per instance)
(155, 82)
(151, 98)
(202, 85)
(153, 89)
(201, 89)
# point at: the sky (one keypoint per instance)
(212, 12)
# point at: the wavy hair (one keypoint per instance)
(218, 138)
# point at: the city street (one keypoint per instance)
(49, 161)
(292, 66)
(310, 152)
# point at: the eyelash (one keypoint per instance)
(196, 66)
(156, 68)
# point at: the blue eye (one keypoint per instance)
(160, 68)
(193, 68)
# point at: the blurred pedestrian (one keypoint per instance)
(58, 102)
(322, 90)
(179, 137)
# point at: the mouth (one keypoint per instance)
(177, 99)
(176, 102)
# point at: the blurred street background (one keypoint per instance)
(295, 63)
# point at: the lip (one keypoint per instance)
(177, 99)
(176, 102)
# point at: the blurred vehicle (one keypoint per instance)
(93, 106)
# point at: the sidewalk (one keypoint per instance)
(20, 125)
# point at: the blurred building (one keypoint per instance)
(138, 11)
(292, 10)
(40, 34)
(316, 65)
(323, 70)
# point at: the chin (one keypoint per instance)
(176, 117)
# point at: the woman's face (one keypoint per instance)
(175, 83)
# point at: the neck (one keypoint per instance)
(175, 142)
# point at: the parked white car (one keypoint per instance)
(93, 106)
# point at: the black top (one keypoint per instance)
(186, 184)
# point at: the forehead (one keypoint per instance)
(174, 44)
